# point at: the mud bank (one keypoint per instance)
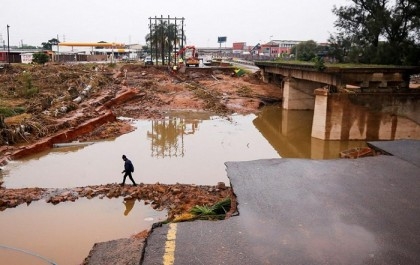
(176, 199)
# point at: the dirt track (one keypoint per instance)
(43, 105)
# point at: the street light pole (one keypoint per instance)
(8, 45)
(58, 50)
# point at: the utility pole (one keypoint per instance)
(8, 45)
(58, 49)
(2, 42)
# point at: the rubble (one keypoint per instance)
(176, 199)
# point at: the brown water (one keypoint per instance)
(65, 233)
(188, 148)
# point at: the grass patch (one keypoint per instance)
(202, 210)
(333, 65)
(217, 211)
(27, 89)
(9, 112)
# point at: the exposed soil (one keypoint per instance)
(43, 105)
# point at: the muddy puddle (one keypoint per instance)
(185, 147)
(42, 233)
(190, 148)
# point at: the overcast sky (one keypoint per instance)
(35, 21)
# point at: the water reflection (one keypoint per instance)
(187, 147)
(129, 204)
(167, 136)
(66, 232)
(289, 132)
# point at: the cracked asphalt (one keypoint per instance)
(300, 211)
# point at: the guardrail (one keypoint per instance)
(243, 62)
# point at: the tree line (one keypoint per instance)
(370, 32)
(378, 32)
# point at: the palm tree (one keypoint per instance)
(164, 37)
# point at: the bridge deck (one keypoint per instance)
(368, 76)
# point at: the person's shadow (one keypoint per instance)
(129, 204)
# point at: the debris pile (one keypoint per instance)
(176, 199)
(36, 99)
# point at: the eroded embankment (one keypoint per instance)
(104, 115)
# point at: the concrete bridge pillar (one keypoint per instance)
(299, 94)
(341, 116)
(265, 76)
(319, 122)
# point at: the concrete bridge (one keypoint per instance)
(349, 103)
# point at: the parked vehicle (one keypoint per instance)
(148, 60)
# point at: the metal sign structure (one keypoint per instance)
(221, 40)
(165, 34)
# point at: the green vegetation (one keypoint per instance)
(48, 45)
(163, 38)
(202, 210)
(40, 58)
(305, 51)
(217, 211)
(319, 63)
(332, 65)
(377, 32)
(28, 89)
(9, 112)
(369, 32)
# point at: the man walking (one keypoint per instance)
(128, 169)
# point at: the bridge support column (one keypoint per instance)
(298, 94)
(319, 122)
(265, 76)
(382, 116)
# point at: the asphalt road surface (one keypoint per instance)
(300, 211)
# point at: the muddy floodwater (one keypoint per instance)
(185, 147)
(42, 233)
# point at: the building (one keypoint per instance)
(96, 51)
(238, 47)
(17, 56)
(276, 48)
